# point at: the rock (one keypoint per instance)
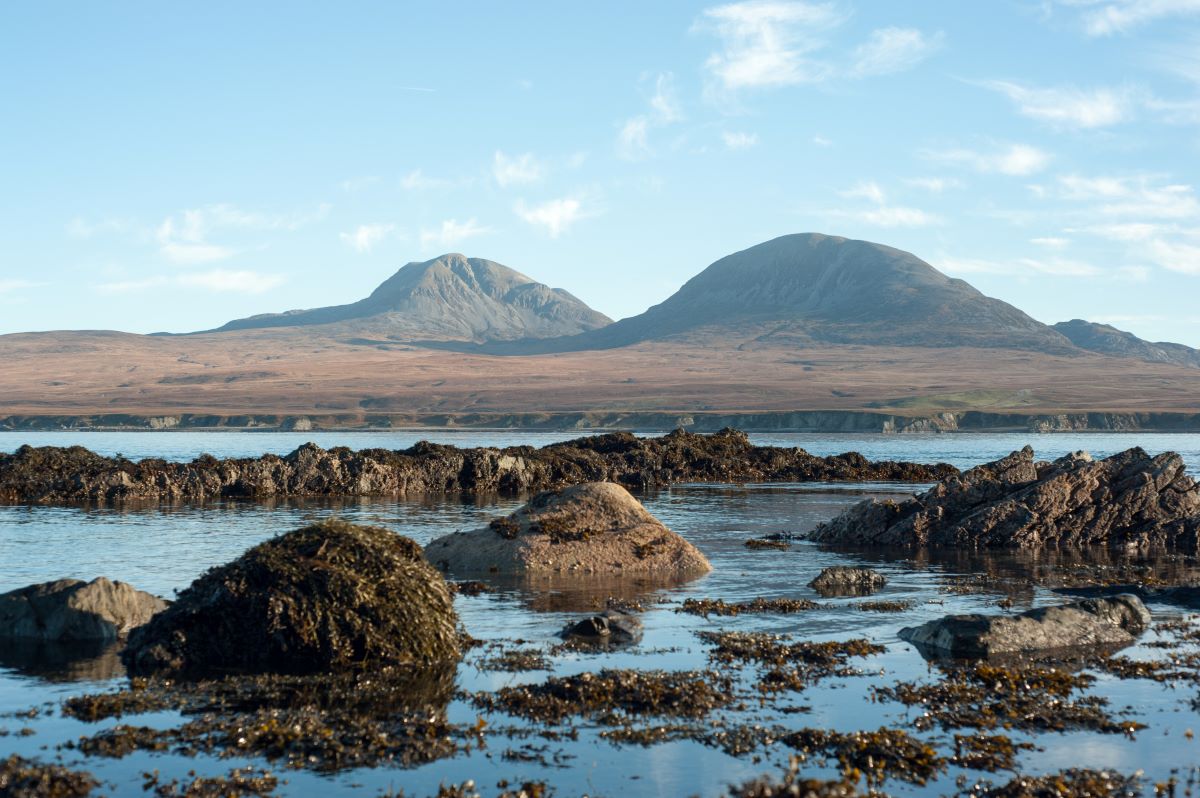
(609, 628)
(71, 610)
(1129, 500)
(841, 580)
(1099, 622)
(594, 528)
(29, 778)
(54, 475)
(329, 597)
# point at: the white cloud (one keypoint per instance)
(184, 237)
(82, 228)
(1057, 267)
(515, 170)
(555, 216)
(1122, 231)
(8, 286)
(889, 50)
(417, 180)
(1014, 159)
(1068, 106)
(358, 183)
(768, 42)
(868, 190)
(451, 233)
(1051, 242)
(366, 236)
(633, 140)
(935, 185)
(1176, 257)
(1130, 197)
(739, 140)
(664, 103)
(242, 282)
(821, 141)
(1106, 17)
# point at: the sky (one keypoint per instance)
(172, 166)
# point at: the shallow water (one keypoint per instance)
(163, 549)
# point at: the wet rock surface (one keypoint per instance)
(71, 610)
(609, 628)
(327, 597)
(841, 580)
(25, 778)
(1091, 623)
(594, 528)
(53, 475)
(1129, 500)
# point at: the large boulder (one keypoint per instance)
(331, 596)
(71, 610)
(1129, 500)
(593, 528)
(1092, 623)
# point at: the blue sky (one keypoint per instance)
(170, 166)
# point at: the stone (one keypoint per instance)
(1128, 501)
(609, 628)
(329, 597)
(589, 529)
(1092, 623)
(71, 610)
(841, 580)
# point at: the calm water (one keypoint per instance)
(163, 549)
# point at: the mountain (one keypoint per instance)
(451, 298)
(1108, 340)
(810, 288)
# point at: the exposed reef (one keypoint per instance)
(54, 475)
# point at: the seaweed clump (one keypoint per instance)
(708, 607)
(1073, 783)
(604, 694)
(878, 755)
(792, 786)
(237, 784)
(327, 597)
(25, 778)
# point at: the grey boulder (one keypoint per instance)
(1092, 623)
(74, 610)
(609, 628)
(842, 580)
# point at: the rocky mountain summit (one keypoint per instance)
(810, 287)
(1108, 340)
(1129, 500)
(452, 298)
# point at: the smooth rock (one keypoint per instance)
(1129, 500)
(329, 597)
(842, 580)
(1091, 623)
(73, 610)
(609, 628)
(594, 528)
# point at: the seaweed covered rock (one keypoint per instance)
(1129, 500)
(327, 597)
(71, 610)
(27, 778)
(608, 628)
(842, 580)
(594, 528)
(1091, 623)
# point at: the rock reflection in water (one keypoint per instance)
(89, 661)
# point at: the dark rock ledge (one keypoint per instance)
(53, 475)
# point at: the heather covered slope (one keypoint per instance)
(451, 298)
(1108, 340)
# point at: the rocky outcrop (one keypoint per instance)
(594, 528)
(842, 580)
(52, 475)
(1092, 623)
(329, 597)
(1129, 500)
(71, 610)
(609, 628)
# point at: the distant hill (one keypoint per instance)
(450, 298)
(1108, 340)
(813, 288)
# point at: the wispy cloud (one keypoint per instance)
(554, 216)
(869, 190)
(10, 286)
(633, 137)
(133, 286)
(1056, 267)
(417, 180)
(184, 237)
(889, 50)
(515, 170)
(1051, 242)
(1017, 160)
(84, 228)
(1069, 106)
(881, 214)
(1176, 256)
(364, 237)
(241, 282)
(767, 43)
(737, 140)
(1134, 197)
(935, 185)
(451, 233)
(358, 183)
(1108, 17)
